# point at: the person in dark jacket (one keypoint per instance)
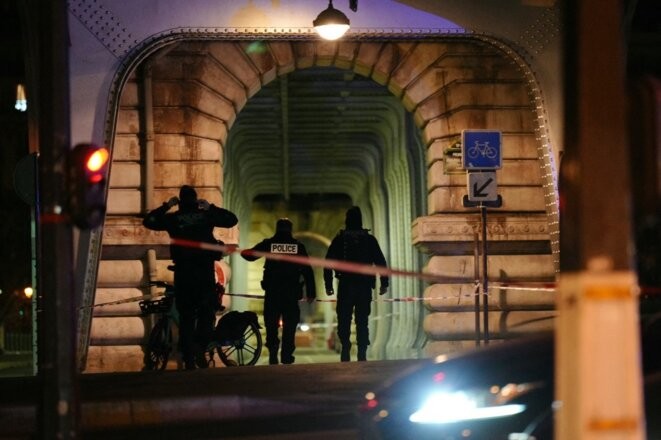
(354, 292)
(282, 282)
(194, 274)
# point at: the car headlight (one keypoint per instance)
(457, 406)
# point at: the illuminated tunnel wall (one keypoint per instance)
(313, 142)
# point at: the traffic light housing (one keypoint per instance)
(88, 177)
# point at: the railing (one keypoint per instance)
(17, 342)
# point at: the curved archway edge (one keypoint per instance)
(449, 83)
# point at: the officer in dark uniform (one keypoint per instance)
(354, 291)
(283, 288)
(194, 274)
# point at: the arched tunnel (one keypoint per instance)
(307, 146)
(305, 129)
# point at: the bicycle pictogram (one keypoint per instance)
(482, 149)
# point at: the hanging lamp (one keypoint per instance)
(331, 23)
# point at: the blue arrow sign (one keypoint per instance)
(481, 149)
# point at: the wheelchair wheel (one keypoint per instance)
(244, 350)
(159, 346)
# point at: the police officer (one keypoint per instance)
(194, 273)
(283, 288)
(354, 293)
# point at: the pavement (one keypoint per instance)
(306, 400)
(14, 364)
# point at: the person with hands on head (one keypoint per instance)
(354, 293)
(283, 282)
(194, 274)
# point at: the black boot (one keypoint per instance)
(345, 355)
(287, 354)
(201, 360)
(288, 359)
(273, 357)
(362, 352)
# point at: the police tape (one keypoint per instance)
(403, 299)
(546, 287)
(500, 286)
(258, 296)
(124, 301)
(339, 265)
(536, 287)
(261, 297)
(400, 299)
(364, 269)
(552, 287)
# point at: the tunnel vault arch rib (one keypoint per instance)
(448, 83)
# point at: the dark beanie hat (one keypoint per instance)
(283, 225)
(187, 194)
(354, 218)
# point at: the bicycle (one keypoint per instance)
(236, 337)
(483, 149)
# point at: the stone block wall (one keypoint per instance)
(476, 87)
(190, 122)
(449, 85)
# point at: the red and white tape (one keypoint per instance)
(344, 266)
(362, 269)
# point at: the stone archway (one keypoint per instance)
(174, 116)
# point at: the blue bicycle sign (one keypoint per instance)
(481, 149)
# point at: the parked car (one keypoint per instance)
(503, 391)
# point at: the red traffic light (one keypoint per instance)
(97, 160)
(88, 171)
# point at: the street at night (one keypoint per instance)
(307, 219)
(307, 401)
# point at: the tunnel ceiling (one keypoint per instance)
(312, 131)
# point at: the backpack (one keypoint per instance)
(356, 246)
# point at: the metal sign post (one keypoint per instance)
(485, 273)
(481, 157)
(485, 279)
(476, 294)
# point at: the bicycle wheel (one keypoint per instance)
(159, 346)
(244, 350)
(490, 152)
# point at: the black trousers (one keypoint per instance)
(353, 297)
(196, 302)
(281, 304)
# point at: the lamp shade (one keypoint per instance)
(331, 24)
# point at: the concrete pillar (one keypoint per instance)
(598, 371)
